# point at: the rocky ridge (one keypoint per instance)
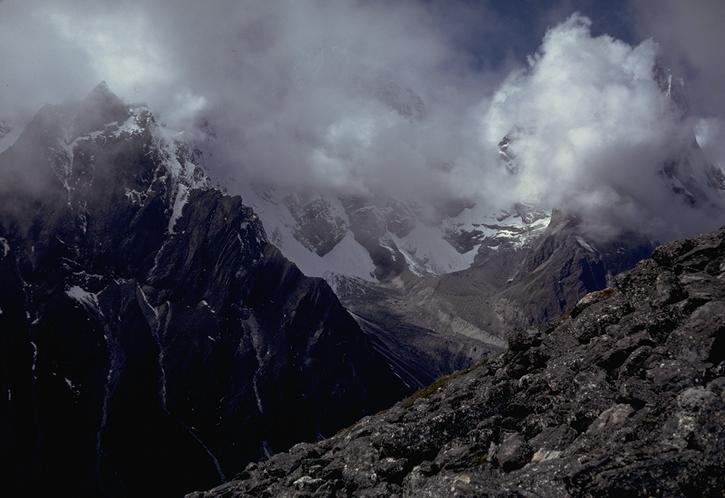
(625, 396)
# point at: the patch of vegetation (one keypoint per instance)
(482, 459)
(425, 392)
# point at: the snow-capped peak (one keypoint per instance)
(376, 239)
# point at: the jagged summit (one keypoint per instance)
(102, 89)
(102, 93)
(150, 330)
(100, 107)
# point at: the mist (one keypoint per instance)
(691, 39)
(407, 99)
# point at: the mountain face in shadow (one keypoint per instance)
(149, 332)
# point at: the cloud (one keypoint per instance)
(351, 95)
(38, 66)
(692, 37)
(406, 99)
(591, 129)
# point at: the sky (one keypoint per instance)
(406, 99)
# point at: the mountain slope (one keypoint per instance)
(149, 329)
(461, 317)
(623, 397)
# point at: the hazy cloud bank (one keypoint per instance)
(387, 98)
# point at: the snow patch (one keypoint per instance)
(584, 244)
(4, 247)
(180, 200)
(72, 387)
(506, 226)
(347, 258)
(131, 125)
(135, 196)
(168, 141)
(428, 251)
(87, 299)
(34, 364)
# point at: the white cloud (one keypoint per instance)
(592, 129)
(350, 95)
(117, 47)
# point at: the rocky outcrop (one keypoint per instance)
(317, 226)
(152, 340)
(625, 396)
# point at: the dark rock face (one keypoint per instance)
(317, 228)
(370, 219)
(152, 341)
(624, 397)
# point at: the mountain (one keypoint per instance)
(376, 239)
(451, 321)
(437, 286)
(625, 396)
(383, 257)
(150, 331)
(539, 282)
(438, 294)
(156, 337)
(438, 303)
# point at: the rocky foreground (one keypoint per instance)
(623, 397)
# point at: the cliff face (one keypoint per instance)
(625, 396)
(149, 332)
